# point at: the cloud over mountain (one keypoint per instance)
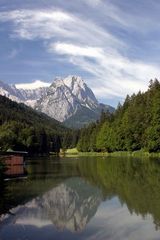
(104, 40)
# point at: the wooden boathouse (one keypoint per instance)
(12, 158)
(14, 162)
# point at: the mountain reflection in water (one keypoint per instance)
(88, 198)
(69, 206)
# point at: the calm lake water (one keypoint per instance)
(83, 198)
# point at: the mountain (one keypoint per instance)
(11, 92)
(72, 102)
(69, 206)
(65, 97)
(67, 100)
(32, 95)
(19, 112)
(84, 116)
(27, 96)
(23, 128)
(33, 85)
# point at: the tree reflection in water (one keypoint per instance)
(67, 193)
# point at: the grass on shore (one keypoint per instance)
(139, 153)
(72, 151)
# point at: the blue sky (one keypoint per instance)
(114, 45)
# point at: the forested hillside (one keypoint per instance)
(22, 128)
(135, 125)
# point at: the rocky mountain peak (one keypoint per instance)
(64, 99)
(65, 96)
(70, 82)
(69, 206)
(78, 88)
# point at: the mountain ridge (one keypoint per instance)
(64, 100)
(23, 128)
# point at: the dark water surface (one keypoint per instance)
(83, 198)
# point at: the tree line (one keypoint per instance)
(135, 125)
(24, 129)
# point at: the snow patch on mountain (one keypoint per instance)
(63, 99)
(35, 85)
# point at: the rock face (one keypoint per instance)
(71, 205)
(65, 97)
(67, 100)
(11, 92)
(27, 96)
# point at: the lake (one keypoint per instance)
(82, 198)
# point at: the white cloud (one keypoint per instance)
(115, 74)
(30, 24)
(87, 45)
(71, 49)
(113, 221)
(142, 19)
(33, 85)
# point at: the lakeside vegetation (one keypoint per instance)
(132, 130)
(24, 129)
(135, 126)
(74, 152)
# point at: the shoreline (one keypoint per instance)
(140, 153)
